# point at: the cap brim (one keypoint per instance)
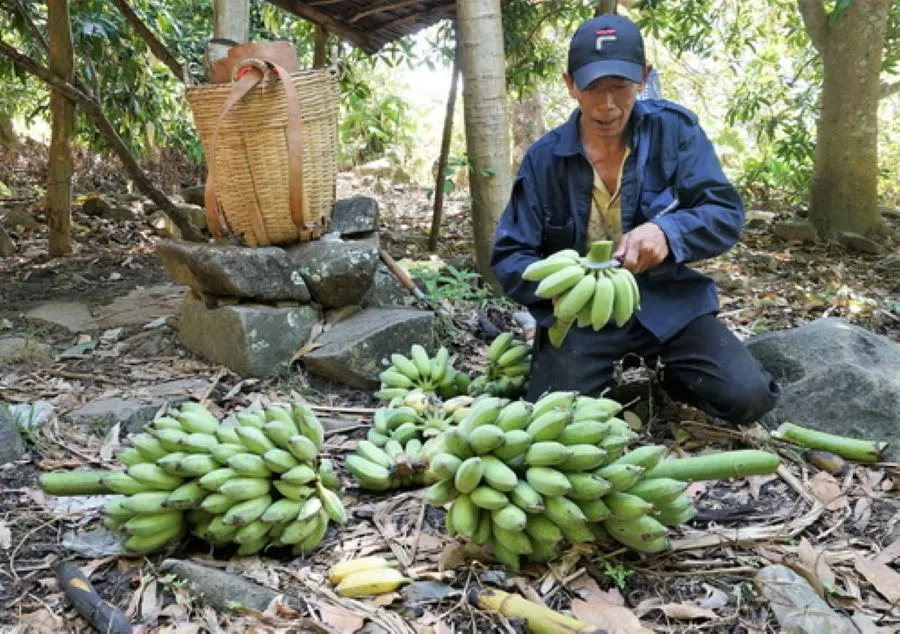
(584, 76)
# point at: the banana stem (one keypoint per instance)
(540, 619)
(600, 251)
(850, 448)
(729, 464)
(74, 483)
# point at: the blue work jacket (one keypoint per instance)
(671, 177)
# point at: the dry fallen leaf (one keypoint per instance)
(338, 618)
(110, 442)
(814, 559)
(828, 491)
(889, 554)
(5, 536)
(715, 598)
(613, 619)
(687, 612)
(885, 580)
(150, 604)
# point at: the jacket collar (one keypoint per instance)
(568, 141)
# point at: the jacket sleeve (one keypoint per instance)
(517, 241)
(710, 213)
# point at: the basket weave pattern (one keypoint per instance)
(251, 156)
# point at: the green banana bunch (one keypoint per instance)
(584, 295)
(419, 371)
(509, 365)
(523, 478)
(255, 482)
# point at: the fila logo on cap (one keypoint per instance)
(605, 35)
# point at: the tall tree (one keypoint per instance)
(487, 124)
(850, 42)
(59, 174)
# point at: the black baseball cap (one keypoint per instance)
(606, 45)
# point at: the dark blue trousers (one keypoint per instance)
(704, 365)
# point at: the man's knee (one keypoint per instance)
(746, 399)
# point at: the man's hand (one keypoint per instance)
(642, 248)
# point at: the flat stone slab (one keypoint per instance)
(337, 272)
(25, 350)
(351, 352)
(251, 339)
(355, 216)
(835, 377)
(386, 291)
(264, 274)
(141, 306)
(73, 316)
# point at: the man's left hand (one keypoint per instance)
(642, 248)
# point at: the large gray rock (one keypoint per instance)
(386, 290)
(351, 351)
(796, 230)
(24, 350)
(265, 274)
(835, 377)
(11, 445)
(252, 340)
(337, 272)
(73, 316)
(355, 216)
(99, 415)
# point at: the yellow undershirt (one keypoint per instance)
(605, 222)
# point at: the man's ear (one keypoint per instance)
(648, 68)
(570, 84)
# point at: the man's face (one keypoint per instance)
(606, 103)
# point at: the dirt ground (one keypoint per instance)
(825, 527)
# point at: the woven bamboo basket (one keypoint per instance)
(251, 155)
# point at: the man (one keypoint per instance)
(644, 174)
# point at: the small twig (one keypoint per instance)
(212, 385)
(12, 556)
(419, 522)
(564, 582)
(343, 410)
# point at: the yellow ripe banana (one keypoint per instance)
(568, 307)
(370, 582)
(540, 269)
(602, 302)
(623, 305)
(344, 568)
(560, 282)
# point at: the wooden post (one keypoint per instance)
(231, 21)
(59, 174)
(446, 137)
(606, 6)
(487, 121)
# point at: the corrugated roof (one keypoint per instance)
(370, 24)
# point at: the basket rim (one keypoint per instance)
(300, 74)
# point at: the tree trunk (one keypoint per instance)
(59, 174)
(844, 196)
(446, 137)
(319, 49)
(487, 124)
(528, 125)
(606, 6)
(231, 21)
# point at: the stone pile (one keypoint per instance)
(253, 309)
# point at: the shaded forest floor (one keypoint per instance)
(820, 525)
